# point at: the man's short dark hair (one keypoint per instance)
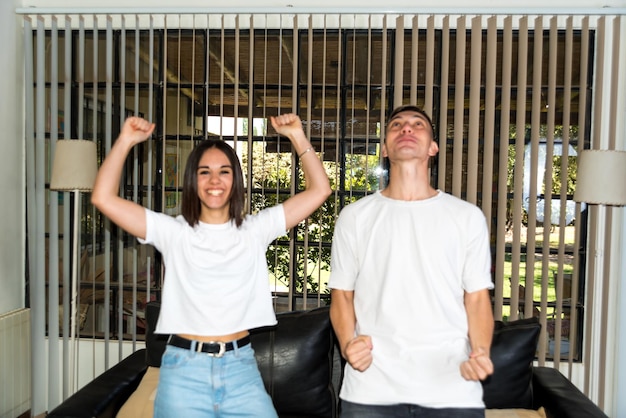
(412, 108)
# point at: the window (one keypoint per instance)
(509, 105)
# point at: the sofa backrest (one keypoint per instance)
(155, 343)
(295, 359)
(513, 351)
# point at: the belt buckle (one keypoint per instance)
(220, 353)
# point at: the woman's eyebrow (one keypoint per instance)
(222, 166)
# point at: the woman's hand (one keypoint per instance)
(136, 130)
(288, 124)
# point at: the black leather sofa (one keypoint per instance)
(302, 370)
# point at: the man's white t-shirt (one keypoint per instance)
(409, 263)
(216, 278)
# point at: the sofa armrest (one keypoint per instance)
(105, 395)
(559, 397)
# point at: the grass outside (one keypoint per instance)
(537, 273)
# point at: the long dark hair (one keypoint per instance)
(191, 207)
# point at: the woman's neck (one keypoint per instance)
(214, 216)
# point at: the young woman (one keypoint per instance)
(216, 283)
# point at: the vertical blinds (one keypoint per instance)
(513, 98)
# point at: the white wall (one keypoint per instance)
(12, 214)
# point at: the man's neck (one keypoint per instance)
(409, 182)
(402, 190)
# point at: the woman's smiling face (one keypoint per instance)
(215, 183)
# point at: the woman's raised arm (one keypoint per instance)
(317, 188)
(128, 215)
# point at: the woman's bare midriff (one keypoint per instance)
(223, 338)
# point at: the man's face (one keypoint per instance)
(409, 135)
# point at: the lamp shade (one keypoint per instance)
(75, 165)
(601, 177)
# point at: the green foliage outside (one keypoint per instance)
(271, 176)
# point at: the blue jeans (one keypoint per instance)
(355, 410)
(194, 385)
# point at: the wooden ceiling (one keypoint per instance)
(349, 69)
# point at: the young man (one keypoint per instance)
(410, 280)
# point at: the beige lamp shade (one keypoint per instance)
(601, 177)
(75, 165)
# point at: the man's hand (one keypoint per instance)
(478, 367)
(358, 352)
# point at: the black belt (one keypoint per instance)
(213, 348)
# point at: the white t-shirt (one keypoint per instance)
(409, 263)
(216, 278)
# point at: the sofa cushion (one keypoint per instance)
(141, 403)
(295, 359)
(515, 413)
(512, 353)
